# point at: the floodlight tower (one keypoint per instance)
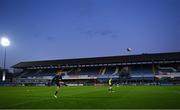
(129, 50)
(5, 43)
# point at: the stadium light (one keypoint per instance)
(129, 49)
(5, 42)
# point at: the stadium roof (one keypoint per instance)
(174, 56)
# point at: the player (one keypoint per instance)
(58, 81)
(110, 85)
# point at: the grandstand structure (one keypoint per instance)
(128, 69)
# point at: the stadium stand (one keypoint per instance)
(146, 68)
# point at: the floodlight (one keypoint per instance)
(5, 42)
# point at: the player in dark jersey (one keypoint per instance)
(58, 81)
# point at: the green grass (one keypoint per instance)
(89, 97)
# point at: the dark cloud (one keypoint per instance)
(39, 35)
(104, 33)
(86, 8)
(50, 38)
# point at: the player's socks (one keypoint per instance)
(55, 95)
(56, 92)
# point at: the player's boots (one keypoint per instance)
(55, 96)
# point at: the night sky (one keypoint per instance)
(58, 29)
